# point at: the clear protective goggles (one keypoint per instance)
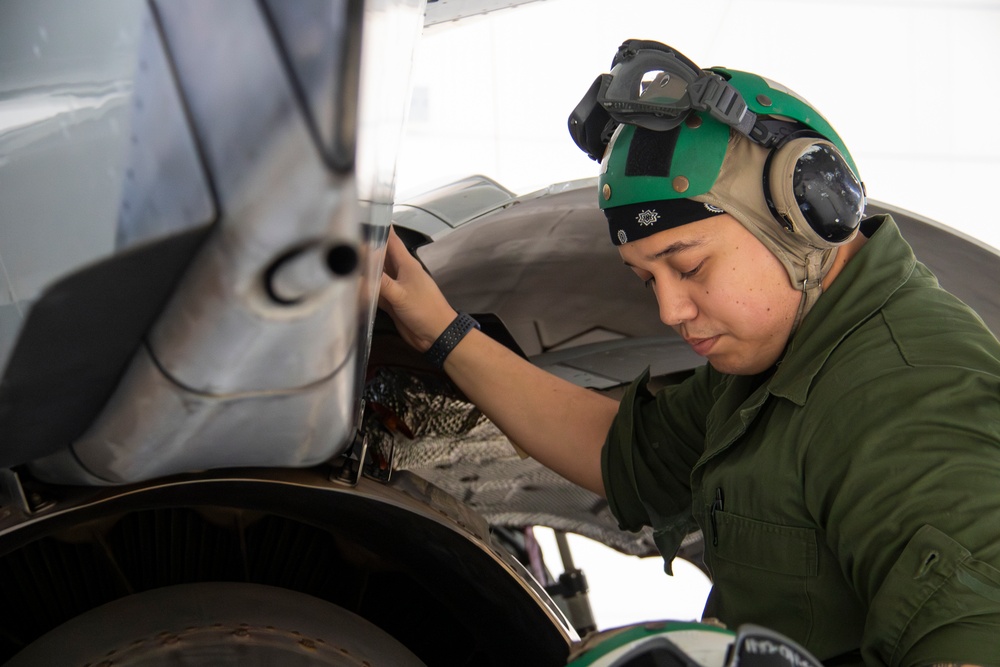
(650, 85)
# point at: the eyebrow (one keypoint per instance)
(673, 249)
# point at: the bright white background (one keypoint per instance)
(910, 85)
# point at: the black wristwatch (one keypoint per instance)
(449, 338)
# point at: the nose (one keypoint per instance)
(676, 306)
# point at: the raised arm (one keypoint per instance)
(559, 424)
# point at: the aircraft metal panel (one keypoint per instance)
(223, 333)
(237, 371)
(165, 188)
(64, 85)
(191, 431)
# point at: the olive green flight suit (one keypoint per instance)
(850, 500)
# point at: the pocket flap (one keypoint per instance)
(766, 546)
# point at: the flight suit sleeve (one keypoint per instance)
(906, 490)
(938, 604)
(647, 458)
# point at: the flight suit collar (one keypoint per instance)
(880, 268)
(866, 283)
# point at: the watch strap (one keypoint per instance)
(449, 338)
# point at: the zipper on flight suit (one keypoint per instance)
(717, 505)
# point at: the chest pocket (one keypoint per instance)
(763, 573)
(787, 550)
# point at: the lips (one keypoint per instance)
(701, 346)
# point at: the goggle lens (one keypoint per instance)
(649, 90)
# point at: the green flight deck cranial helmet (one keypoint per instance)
(689, 644)
(679, 144)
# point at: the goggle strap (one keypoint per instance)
(770, 132)
(723, 102)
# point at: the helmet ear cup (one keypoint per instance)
(812, 191)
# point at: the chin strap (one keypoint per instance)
(816, 266)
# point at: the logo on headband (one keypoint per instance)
(647, 217)
(622, 237)
(713, 209)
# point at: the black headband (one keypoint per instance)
(635, 221)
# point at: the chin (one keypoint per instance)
(731, 366)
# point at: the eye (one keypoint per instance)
(692, 272)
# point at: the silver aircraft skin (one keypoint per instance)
(195, 200)
(200, 406)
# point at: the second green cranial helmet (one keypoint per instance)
(679, 144)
